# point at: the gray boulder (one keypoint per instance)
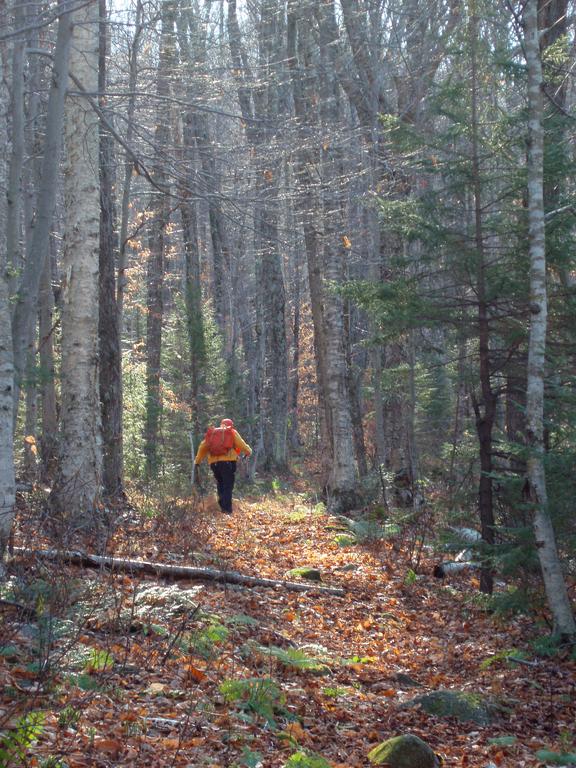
(407, 751)
(463, 705)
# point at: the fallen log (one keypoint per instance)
(25, 610)
(453, 566)
(165, 570)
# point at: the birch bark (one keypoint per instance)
(554, 584)
(76, 490)
(485, 410)
(14, 192)
(7, 479)
(25, 308)
(4, 141)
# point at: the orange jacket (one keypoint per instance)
(239, 447)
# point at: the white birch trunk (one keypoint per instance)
(4, 143)
(76, 491)
(7, 480)
(14, 189)
(25, 308)
(556, 593)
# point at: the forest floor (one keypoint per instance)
(115, 670)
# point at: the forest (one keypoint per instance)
(348, 226)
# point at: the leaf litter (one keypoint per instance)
(132, 671)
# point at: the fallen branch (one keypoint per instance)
(25, 610)
(165, 570)
(443, 569)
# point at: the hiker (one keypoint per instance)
(222, 445)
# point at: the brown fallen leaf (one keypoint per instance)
(110, 746)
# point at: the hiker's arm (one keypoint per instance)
(202, 452)
(240, 445)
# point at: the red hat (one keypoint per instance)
(226, 423)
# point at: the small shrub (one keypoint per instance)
(69, 717)
(259, 696)
(548, 646)
(14, 744)
(306, 759)
(205, 642)
(503, 655)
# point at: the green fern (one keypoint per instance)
(306, 760)
(554, 758)
(260, 696)
(14, 744)
(296, 658)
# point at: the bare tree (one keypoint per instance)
(77, 488)
(14, 190)
(7, 479)
(109, 331)
(157, 240)
(260, 110)
(23, 321)
(554, 583)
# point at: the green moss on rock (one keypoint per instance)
(304, 572)
(407, 751)
(345, 539)
(464, 706)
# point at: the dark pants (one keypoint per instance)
(224, 472)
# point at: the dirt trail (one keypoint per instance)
(339, 669)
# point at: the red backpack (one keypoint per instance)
(219, 440)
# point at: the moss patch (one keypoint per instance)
(464, 706)
(304, 572)
(405, 751)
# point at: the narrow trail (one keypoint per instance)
(400, 637)
(341, 669)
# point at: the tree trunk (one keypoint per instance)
(342, 479)
(554, 583)
(7, 479)
(4, 142)
(48, 440)
(14, 191)
(486, 409)
(194, 316)
(193, 53)
(128, 169)
(76, 491)
(157, 245)
(294, 374)
(271, 301)
(354, 387)
(25, 309)
(299, 32)
(168, 571)
(108, 331)
(31, 419)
